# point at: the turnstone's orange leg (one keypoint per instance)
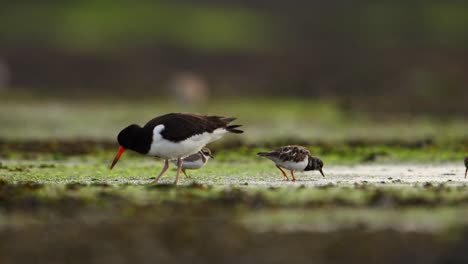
(292, 174)
(179, 168)
(183, 171)
(166, 166)
(284, 173)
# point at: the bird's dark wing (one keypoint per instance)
(179, 126)
(288, 153)
(193, 157)
(293, 153)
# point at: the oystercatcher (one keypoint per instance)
(195, 161)
(174, 136)
(466, 165)
(293, 158)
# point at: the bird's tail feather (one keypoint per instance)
(229, 119)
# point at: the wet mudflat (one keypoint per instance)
(398, 197)
(78, 222)
(72, 209)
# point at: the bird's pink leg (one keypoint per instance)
(284, 173)
(179, 168)
(166, 166)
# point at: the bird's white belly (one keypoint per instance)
(166, 149)
(169, 150)
(290, 165)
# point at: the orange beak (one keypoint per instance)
(117, 157)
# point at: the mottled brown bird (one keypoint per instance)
(293, 158)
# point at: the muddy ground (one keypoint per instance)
(198, 224)
(394, 190)
(67, 207)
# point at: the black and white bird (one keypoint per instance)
(466, 165)
(174, 136)
(195, 161)
(293, 158)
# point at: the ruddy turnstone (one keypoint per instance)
(195, 161)
(174, 136)
(466, 165)
(293, 158)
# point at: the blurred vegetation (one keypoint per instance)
(228, 25)
(368, 56)
(107, 26)
(265, 121)
(375, 89)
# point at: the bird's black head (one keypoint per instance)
(135, 138)
(315, 164)
(206, 152)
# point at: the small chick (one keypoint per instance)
(293, 158)
(195, 161)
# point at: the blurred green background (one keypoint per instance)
(379, 57)
(376, 89)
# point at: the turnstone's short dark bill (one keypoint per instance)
(174, 136)
(195, 161)
(466, 165)
(293, 158)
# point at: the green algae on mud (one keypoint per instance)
(348, 152)
(359, 196)
(203, 223)
(239, 168)
(377, 197)
(438, 213)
